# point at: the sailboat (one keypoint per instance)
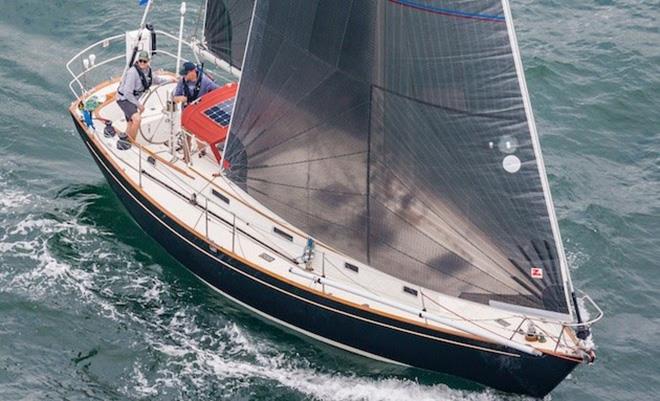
(370, 176)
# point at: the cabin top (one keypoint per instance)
(208, 117)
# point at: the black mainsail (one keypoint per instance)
(399, 132)
(226, 27)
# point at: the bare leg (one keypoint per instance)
(201, 148)
(133, 126)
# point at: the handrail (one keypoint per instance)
(584, 296)
(105, 43)
(88, 48)
(76, 77)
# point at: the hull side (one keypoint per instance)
(332, 321)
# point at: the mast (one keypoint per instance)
(238, 92)
(139, 38)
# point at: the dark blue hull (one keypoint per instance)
(377, 334)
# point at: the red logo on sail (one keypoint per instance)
(536, 272)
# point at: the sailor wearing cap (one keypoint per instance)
(193, 84)
(134, 83)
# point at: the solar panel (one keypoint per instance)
(221, 112)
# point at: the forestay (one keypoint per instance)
(226, 28)
(396, 131)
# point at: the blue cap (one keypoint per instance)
(187, 67)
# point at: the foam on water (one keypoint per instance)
(11, 200)
(576, 258)
(236, 360)
(27, 240)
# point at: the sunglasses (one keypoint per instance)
(143, 61)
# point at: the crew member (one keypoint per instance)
(193, 84)
(136, 80)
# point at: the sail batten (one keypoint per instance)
(399, 132)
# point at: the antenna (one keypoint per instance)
(178, 51)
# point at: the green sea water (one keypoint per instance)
(92, 309)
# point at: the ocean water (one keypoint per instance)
(90, 309)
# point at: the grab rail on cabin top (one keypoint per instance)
(79, 88)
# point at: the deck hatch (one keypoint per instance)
(220, 196)
(409, 290)
(283, 234)
(351, 267)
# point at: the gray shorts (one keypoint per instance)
(128, 108)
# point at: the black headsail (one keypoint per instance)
(399, 132)
(226, 28)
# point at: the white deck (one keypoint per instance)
(254, 225)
